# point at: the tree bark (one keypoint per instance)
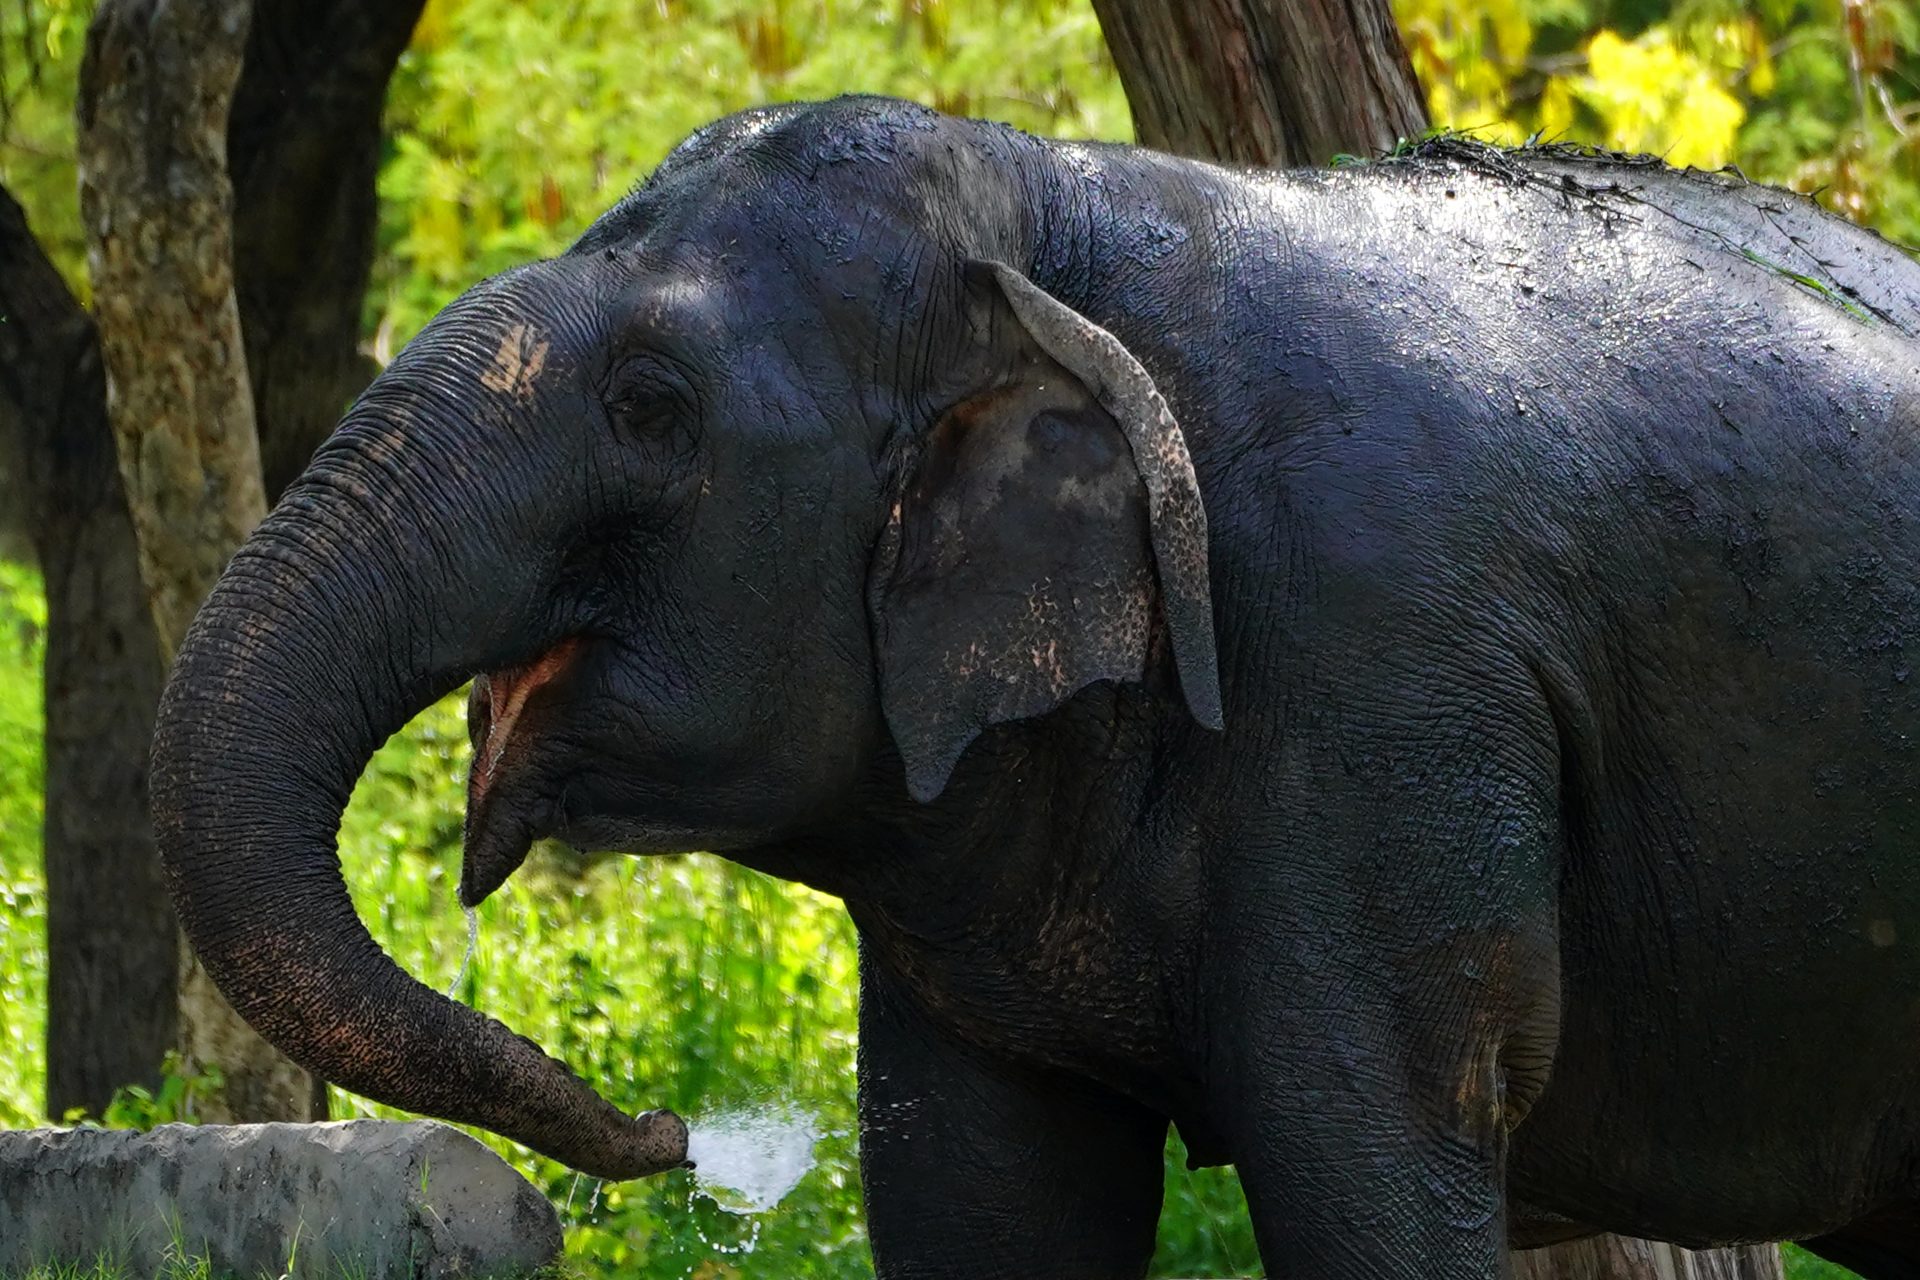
(155, 90)
(1264, 82)
(1613, 1257)
(156, 87)
(111, 936)
(304, 144)
(1277, 83)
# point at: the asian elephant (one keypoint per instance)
(1405, 672)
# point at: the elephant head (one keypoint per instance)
(780, 481)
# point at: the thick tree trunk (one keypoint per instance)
(155, 90)
(111, 934)
(1613, 1257)
(156, 86)
(1264, 82)
(1296, 82)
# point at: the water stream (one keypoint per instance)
(747, 1160)
(466, 961)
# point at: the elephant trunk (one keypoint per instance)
(353, 606)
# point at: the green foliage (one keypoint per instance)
(40, 43)
(1817, 95)
(515, 125)
(23, 899)
(682, 982)
(135, 1106)
(1802, 1265)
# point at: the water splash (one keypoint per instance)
(466, 961)
(746, 1161)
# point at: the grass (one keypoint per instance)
(181, 1261)
(23, 903)
(1818, 288)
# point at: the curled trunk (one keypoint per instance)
(359, 601)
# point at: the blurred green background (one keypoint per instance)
(511, 123)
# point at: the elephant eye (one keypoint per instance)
(643, 395)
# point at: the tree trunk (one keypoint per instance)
(111, 936)
(1612, 1257)
(155, 90)
(304, 145)
(1268, 82)
(1264, 82)
(156, 86)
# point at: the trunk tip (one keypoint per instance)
(659, 1143)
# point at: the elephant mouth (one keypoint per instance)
(533, 777)
(496, 707)
(506, 811)
(517, 795)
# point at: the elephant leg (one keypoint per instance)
(1375, 1146)
(1382, 1023)
(971, 1170)
(1376, 1190)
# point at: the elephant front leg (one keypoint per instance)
(1370, 1112)
(1379, 1029)
(971, 1169)
(1360, 1180)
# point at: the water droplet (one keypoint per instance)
(736, 1248)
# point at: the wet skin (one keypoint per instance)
(1521, 843)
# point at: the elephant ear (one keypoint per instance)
(1051, 514)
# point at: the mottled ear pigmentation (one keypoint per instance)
(1050, 511)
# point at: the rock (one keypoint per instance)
(366, 1198)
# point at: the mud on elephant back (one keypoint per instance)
(1399, 672)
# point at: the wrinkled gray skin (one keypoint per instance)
(1401, 672)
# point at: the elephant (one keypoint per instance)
(1399, 671)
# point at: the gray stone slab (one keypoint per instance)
(354, 1200)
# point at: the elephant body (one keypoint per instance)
(1398, 671)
